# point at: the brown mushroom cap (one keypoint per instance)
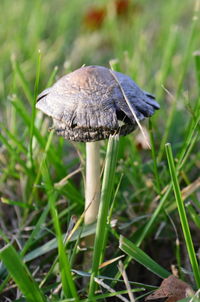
(88, 104)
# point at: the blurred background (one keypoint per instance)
(152, 41)
(72, 33)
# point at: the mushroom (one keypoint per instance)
(90, 104)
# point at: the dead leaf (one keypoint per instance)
(171, 289)
(104, 264)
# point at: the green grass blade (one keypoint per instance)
(68, 285)
(193, 214)
(197, 65)
(106, 194)
(182, 215)
(154, 217)
(191, 135)
(36, 230)
(138, 255)
(15, 141)
(67, 281)
(166, 61)
(188, 150)
(23, 113)
(21, 275)
(52, 76)
(153, 153)
(34, 110)
(38, 175)
(22, 80)
(52, 244)
(16, 203)
(13, 153)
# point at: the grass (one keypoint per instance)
(153, 217)
(183, 217)
(101, 228)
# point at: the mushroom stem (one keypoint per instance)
(92, 188)
(92, 197)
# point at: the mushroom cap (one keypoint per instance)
(88, 104)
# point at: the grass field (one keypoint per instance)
(153, 221)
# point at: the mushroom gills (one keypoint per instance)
(122, 118)
(83, 134)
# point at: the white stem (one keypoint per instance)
(92, 187)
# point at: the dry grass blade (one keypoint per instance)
(104, 264)
(191, 188)
(100, 282)
(124, 275)
(64, 181)
(131, 109)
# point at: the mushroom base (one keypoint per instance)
(79, 134)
